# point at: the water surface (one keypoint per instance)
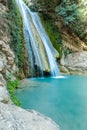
(62, 99)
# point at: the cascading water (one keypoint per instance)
(40, 49)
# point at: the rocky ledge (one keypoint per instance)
(75, 63)
(15, 118)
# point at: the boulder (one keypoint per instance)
(78, 59)
(76, 62)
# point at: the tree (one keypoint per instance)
(68, 9)
(48, 5)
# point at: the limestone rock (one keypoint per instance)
(7, 59)
(1, 65)
(10, 61)
(63, 69)
(76, 62)
(1, 45)
(15, 69)
(78, 59)
(6, 39)
(6, 49)
(4, 96)
(2, 8)
(15, 118)
(2, 79)
(2, 61)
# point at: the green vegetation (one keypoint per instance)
(45, 4)
(12, 86)
(16, 31)
(53, 33)
(79, 29)
(68, 10)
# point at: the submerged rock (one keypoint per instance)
(15, 118)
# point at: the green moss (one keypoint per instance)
(16, 31)
(12, 86)
(53, 33)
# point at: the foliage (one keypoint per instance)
(79, 29)
(68, 10)
(71, 15)
(12, 86)
(44, 4)
(53, 33)
(16, 27)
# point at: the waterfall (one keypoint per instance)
(41, 52)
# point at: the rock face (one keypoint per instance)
(4, 95)
(76, 62)
(7, 56)
(14, 118)
(6, 59)
(7, 65)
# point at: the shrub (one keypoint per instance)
(16, 31)
(12, 86)
(68, 10)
